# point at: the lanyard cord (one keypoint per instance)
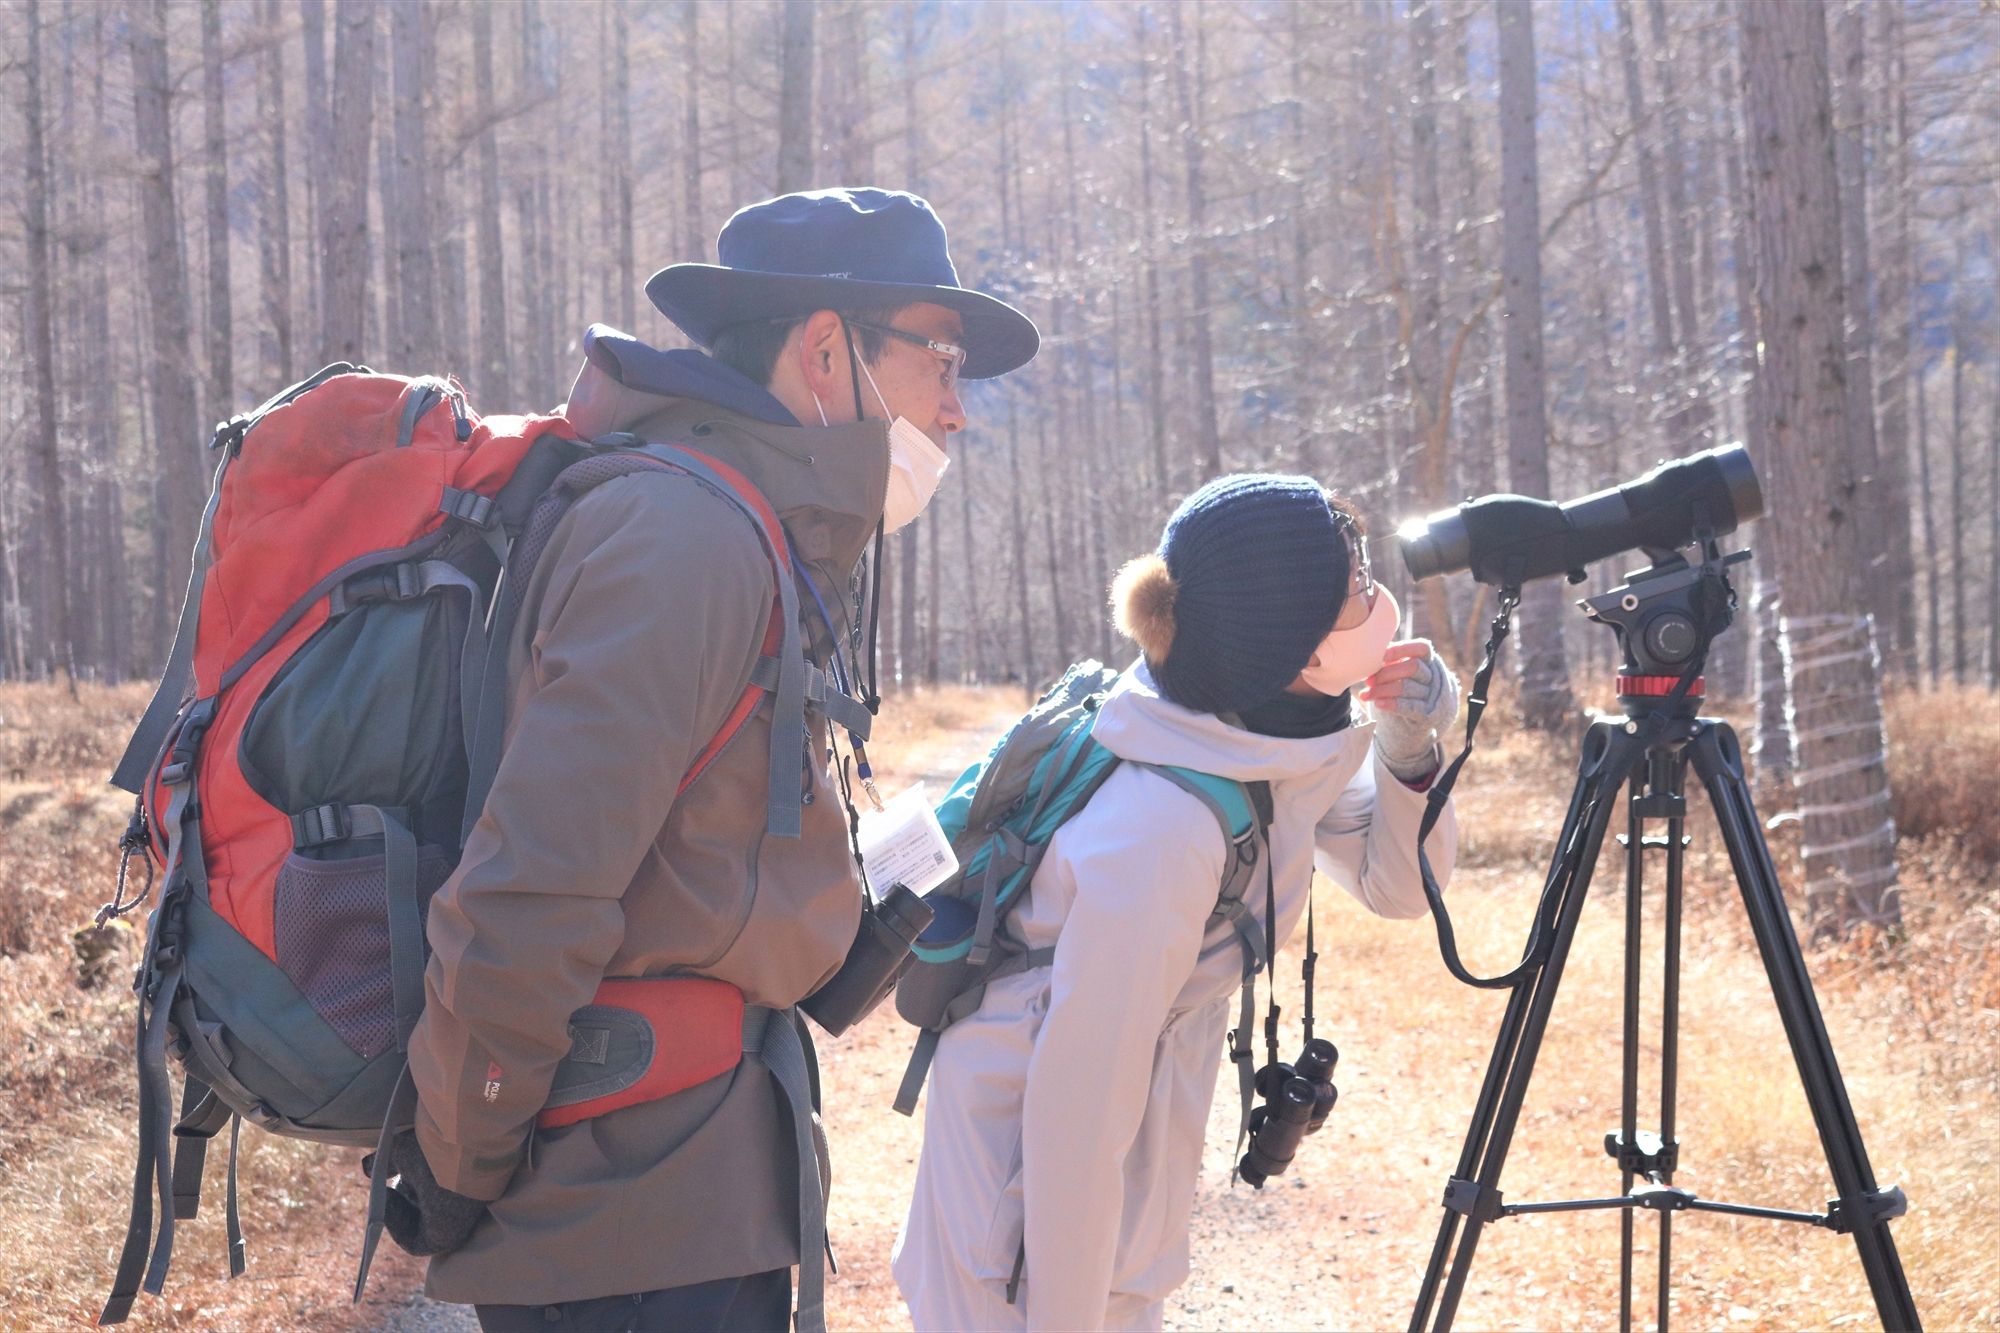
(860, 755)
(1271, 953)
(1306, 968)
(840, 675)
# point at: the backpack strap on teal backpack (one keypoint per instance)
(1244, 811)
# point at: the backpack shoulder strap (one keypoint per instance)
(1243, 811)
(621, 456)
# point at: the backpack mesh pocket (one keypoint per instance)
(333, 940)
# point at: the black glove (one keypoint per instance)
(423, 1216)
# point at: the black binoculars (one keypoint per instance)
(879, 955)
(1297, 1098)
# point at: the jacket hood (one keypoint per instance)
(637, 368)
(1139, 723)
(828, 483)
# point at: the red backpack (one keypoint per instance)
(321, 743)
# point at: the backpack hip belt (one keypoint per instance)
(641, 1039)
(645, 1038)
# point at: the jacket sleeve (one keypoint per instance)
(1144, 891)
(1368, 842)
(651, 614)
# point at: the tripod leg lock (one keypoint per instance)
(1479, 1202)
(1876, 1207)
(1646, 1155)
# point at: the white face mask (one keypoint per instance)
(916, 465)
(1347, 657)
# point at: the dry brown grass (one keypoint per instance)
(1340, 1243)
(66, 1072)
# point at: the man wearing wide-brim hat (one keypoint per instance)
(619, 842)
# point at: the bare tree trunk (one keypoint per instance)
(319, 149)
(344, 215)
(970, 656)
(1993, 544)
(854, 152)
(1892, 218)
(536, 366)
(795, 99)
(1191, 89)
(274, 236)
(1018, 529)
(732, 82)
(1429, 394)
(1156, 392)
(103, 406)
(415, 294)
(1771, 751)
(1933, 598)
(1545, 696)
(933, 596)
(1771, 757)
(906, 541)
(1660, 301)
(621, 165)
(1830, 659)
(42, 348)
(1955, 496)
(1850, 156)
(1305, 437)
(693, 247)
(176, 421)
(221, 363)
(496, 364)
(1691, 410)
(381, 322)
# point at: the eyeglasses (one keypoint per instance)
(951, 354)
(1360, 580)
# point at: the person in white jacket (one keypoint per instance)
(1065, 1117)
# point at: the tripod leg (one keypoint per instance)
(1717, 759)
(1503, 1050)
(1628, 1112)
(1609, 753)
(1670, 1024)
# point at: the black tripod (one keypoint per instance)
(1665, 617)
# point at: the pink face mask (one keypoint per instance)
(1347, 657)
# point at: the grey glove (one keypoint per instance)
(1409, 715)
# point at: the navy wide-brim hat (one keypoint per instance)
(841, 249)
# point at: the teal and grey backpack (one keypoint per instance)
(1000, 816)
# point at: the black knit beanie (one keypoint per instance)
(1249, 578)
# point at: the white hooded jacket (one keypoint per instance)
(1074, 1102)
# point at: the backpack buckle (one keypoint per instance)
(468, 507)
(229, 434)
(321, 825)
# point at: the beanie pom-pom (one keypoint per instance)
(1142, 602)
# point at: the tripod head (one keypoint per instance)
(1665, 617)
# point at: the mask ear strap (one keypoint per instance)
(854, 370)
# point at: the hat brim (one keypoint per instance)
(704, 299)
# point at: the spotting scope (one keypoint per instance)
(1508, 540)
